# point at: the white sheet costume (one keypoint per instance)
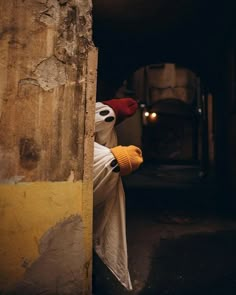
(109, 198)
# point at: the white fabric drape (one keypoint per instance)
(109, 200)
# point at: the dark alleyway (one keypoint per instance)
(181, 241)
(181, 228)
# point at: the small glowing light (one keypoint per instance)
(146, 114)
(153, 115)
(199, 110)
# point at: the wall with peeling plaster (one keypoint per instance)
(42, 236)
(47, 100)
(44, 68)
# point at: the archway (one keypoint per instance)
(174, 124)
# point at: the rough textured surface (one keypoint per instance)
(50, 73)
(28, 211)
(47, 98)
(60, 266)
(45, 52)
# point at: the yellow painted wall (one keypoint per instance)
(27, 211)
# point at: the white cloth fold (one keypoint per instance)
(109, 200)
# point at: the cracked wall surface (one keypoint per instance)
(45, 47)
(47, 103)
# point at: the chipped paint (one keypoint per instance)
(47, 221)
(60, 265)
(13, 180)
(50, 16)
(46, 131)
(44, 89)
(50, 73)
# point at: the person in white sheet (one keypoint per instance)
(110, 163)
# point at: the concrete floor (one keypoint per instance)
(179, 243)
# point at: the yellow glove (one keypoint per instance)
(129, 158)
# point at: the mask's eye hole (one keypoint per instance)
(109, 119)
(104, 112)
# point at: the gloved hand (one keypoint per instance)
(129, 158)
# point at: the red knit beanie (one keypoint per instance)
(122, 107)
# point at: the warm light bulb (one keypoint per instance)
(153, 115)
(146, 114)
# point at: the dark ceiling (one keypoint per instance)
(132, 33)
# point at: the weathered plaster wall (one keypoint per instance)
(44, 54)
(41, 230)
(47, 100)
(46, 238)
